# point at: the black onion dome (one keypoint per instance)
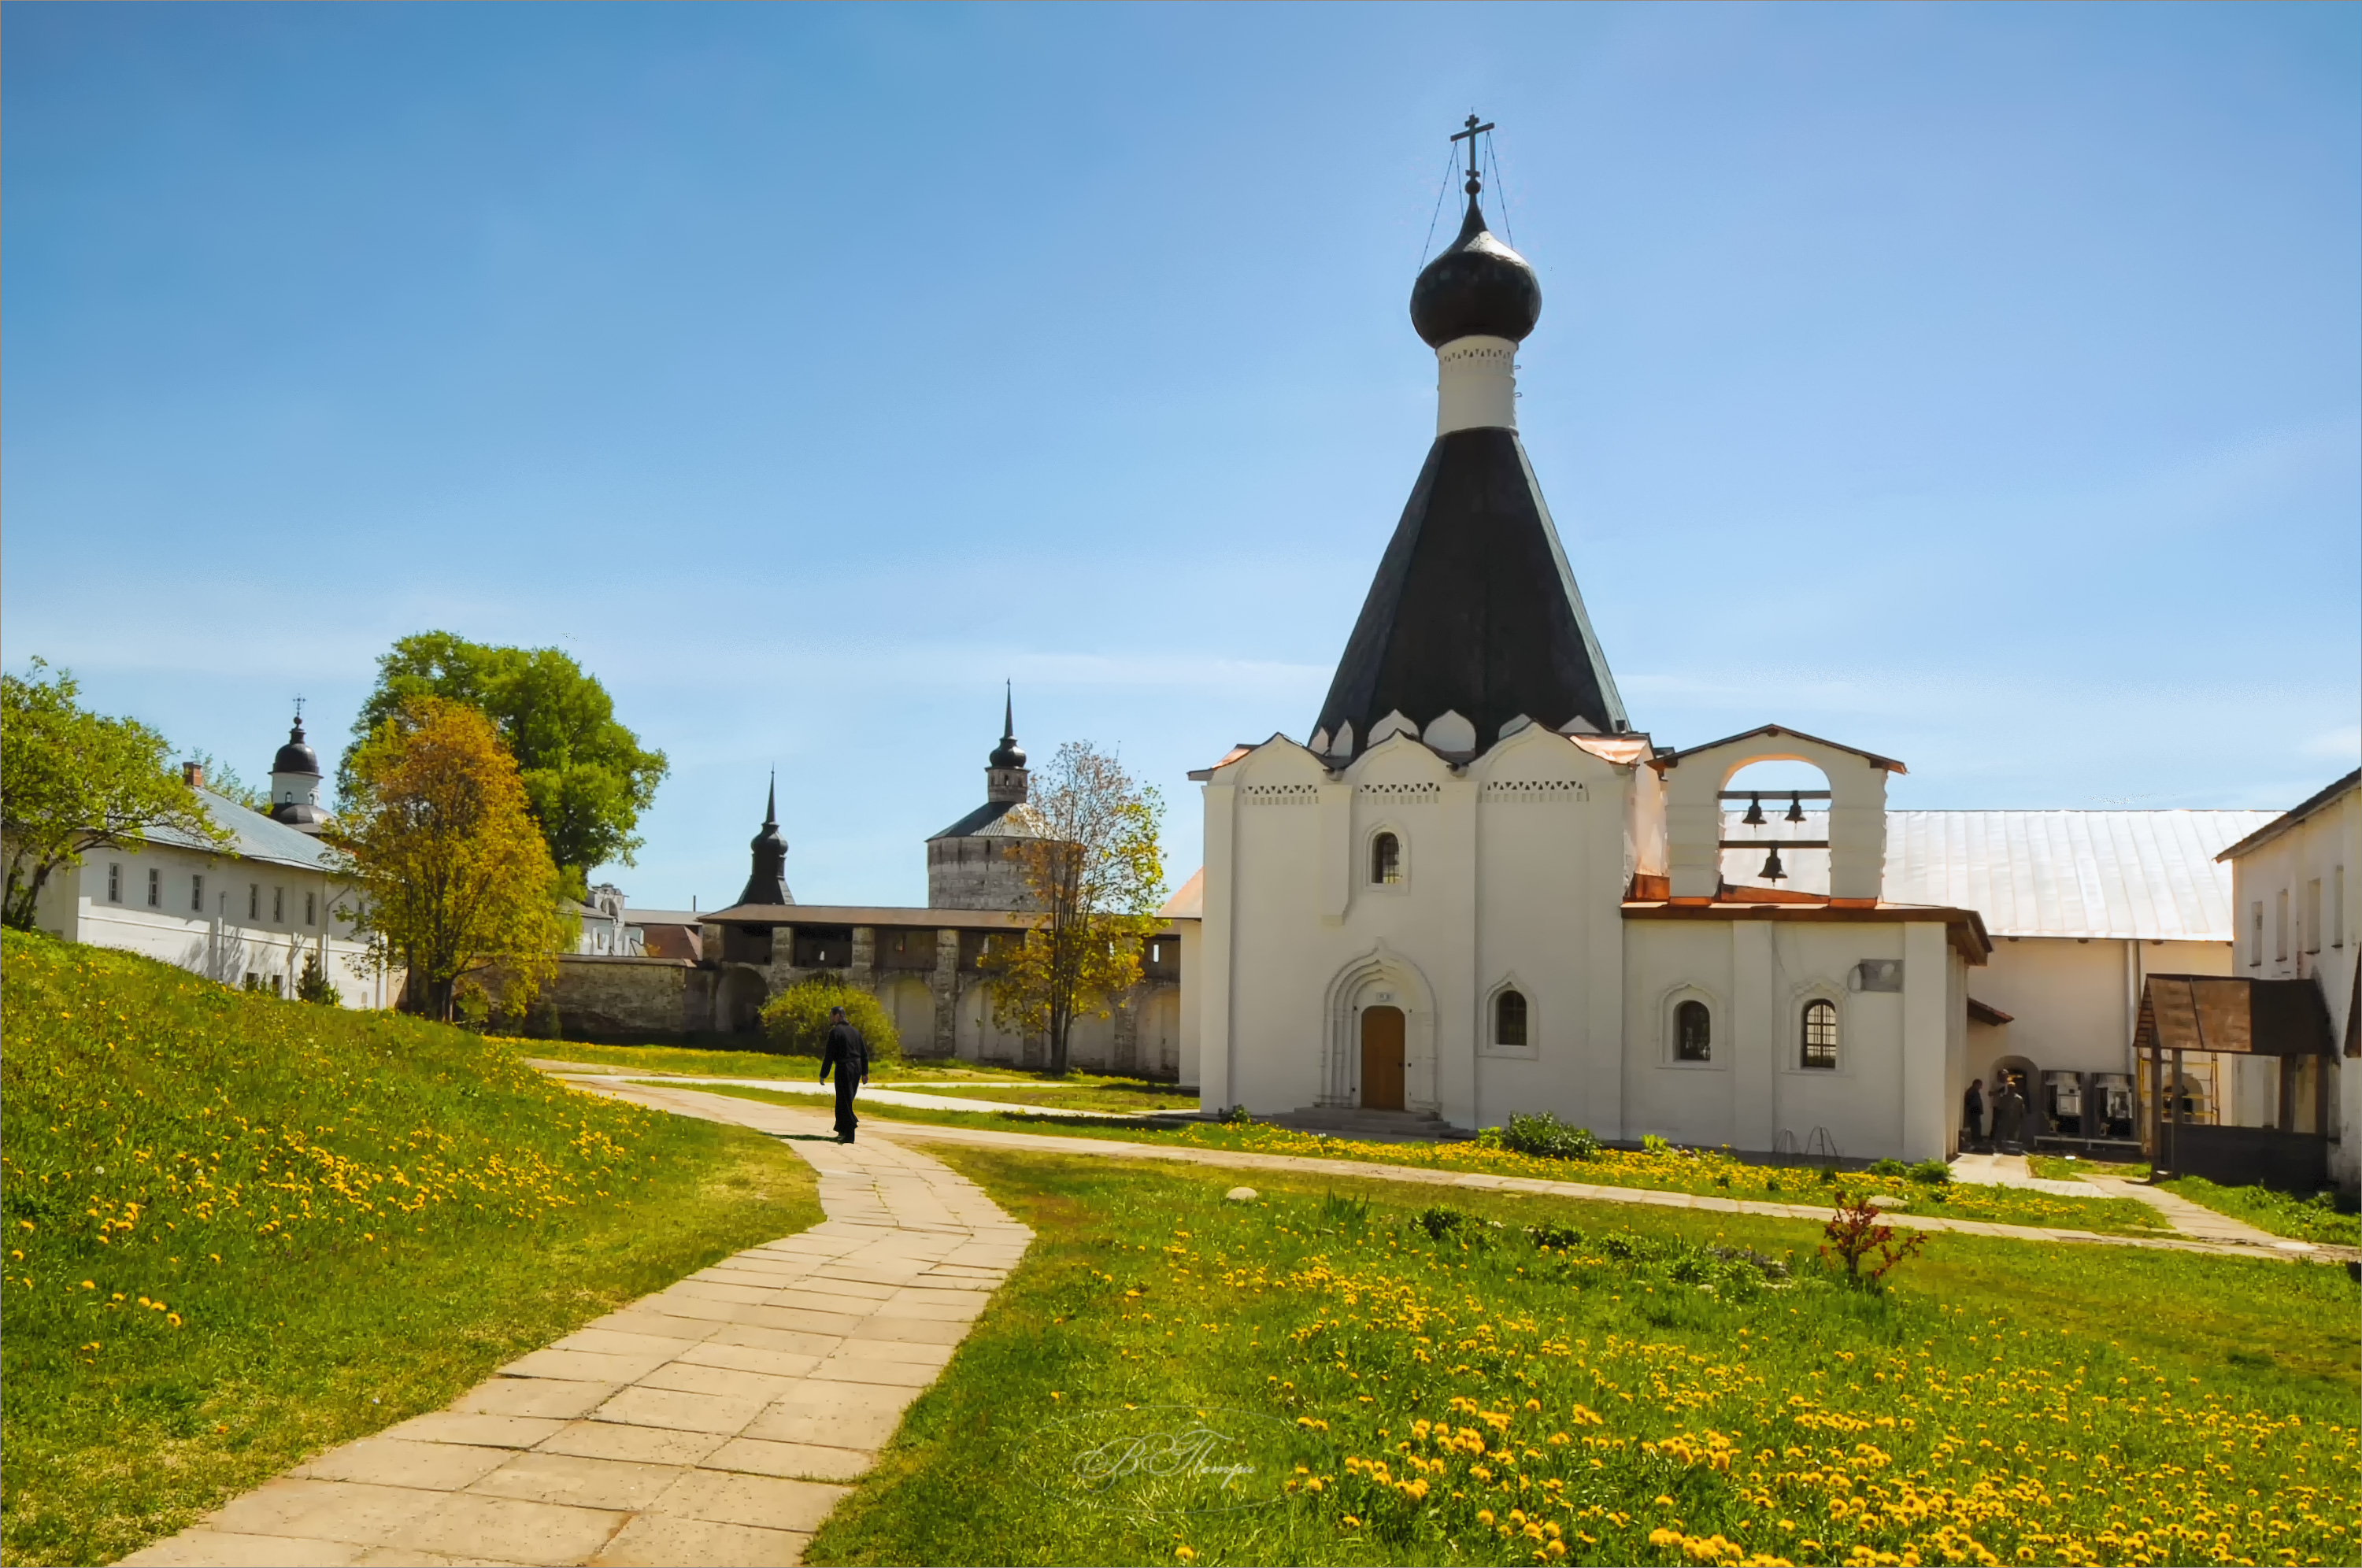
(295, 756)
(1478, 287)
(1007, 753)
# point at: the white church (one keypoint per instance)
(1478, 890)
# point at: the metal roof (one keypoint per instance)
(2145, 875)
(253, 836)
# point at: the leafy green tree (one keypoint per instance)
(72, 781)
(1097, 874)
(457, 883)
(587, 779)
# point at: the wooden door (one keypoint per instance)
(1382, 1059)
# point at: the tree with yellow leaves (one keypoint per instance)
(458, 880)
(1097, 874)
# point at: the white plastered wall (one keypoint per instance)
(1513, 873)
(2317, 849)
(223, 942)
(1888, 1094)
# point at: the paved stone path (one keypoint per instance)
(712, 1423)
(2192, 1220)
(754, 1113)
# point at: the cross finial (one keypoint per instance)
(299, 707)
(1469, 135)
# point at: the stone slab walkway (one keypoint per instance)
(753, 1113)
(713, 1422)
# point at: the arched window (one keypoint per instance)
(1692, 1032)
(1820, 1034)
(1385, 859)
(1510, 1019)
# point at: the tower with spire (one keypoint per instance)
(766, 879)
(978, 862)
(1472, 626)
(295, 781)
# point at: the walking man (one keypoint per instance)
(848, 1054)
(1972, 1112)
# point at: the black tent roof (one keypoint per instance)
(1474, 610)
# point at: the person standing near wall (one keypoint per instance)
(848, 1054)
(1972, 1113)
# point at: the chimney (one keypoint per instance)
(192, 774)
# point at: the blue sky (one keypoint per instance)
(1973, 384)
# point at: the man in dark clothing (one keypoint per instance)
(848, 1054)
(1972, 1112)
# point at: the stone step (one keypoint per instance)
(1360, 1122)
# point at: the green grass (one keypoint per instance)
(1455, 1392)
(1707, 1175)
(2058, 1167)
(245, 1229)
(1120, 1096)
(692, 1062)
(2303, 1220)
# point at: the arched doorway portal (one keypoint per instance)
(743, 991)
(1382, 1059)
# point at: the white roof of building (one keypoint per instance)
(2146, 874)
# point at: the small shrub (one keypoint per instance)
(1653, 1144)
(1343, 1213)
(1936, 1173)
(1857, 1230)
(315, 986)
(796, 1021)
(1237, 1116)
(1889, 1167)
(1544, 1136)
(1439, 1221)
(1557, 1238)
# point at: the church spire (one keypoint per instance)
(1473, 620)
(767, 879)
(1005, 777)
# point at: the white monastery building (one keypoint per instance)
(1479, 890)
(246, 913)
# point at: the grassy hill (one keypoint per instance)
(241, 1229)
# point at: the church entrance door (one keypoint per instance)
(1382, 1059)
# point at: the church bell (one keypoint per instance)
(1773, 870)
(1796, 808)
(1754, 817)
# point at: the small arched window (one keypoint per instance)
(1692, 1032)
(1820, 1034)
(1510, 1019)
(1385, 859)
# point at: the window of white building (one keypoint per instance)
(1510, 1019)
(311, 910)
(197, 893)
(1692, 1032)
(1386, 860)
(2256, 934)
(155, 889)
(1820, 1034)
(254, 901)
(2337, 907)
(2279, 925)
(114, 882)
(2312, 916)
(278, 905)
